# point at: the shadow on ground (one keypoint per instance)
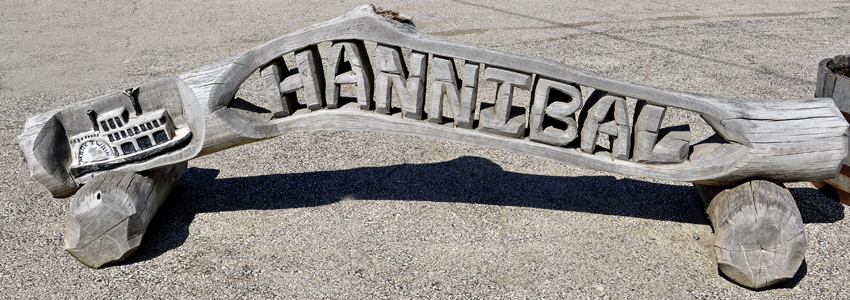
(787, 284)
(466, 179)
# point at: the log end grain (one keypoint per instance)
(759, 235)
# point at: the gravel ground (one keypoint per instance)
(364, 215)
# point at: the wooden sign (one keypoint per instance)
(404, 88)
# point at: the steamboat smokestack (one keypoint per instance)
(93, 117)
(133, 93)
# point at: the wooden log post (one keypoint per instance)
(109, 215)
(759, 234)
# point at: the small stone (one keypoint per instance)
(600, 288)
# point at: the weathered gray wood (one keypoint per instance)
(109, 215)
(833, 81)
(600, 104)
(354, 120)
(48, 139)
(360, 75)
(390, 60)
(445, 86)
(832, 77)
(503, 118)
(826, 79)
(393, 76)
(281, 102)
(290, 84)
(559, 109)
(468, 96)
(312, 76)
(778, 140)
(391, 69)
(413, 105)
(375, 28)
(841, 93)
(461, 100)
(759, 235)
(674, 144)
(648, 117)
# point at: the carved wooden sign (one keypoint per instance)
(405, 87)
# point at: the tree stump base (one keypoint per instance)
(759, 235)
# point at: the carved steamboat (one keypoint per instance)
(117, 138)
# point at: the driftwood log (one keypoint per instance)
(403, 86)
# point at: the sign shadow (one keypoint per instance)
(465, 179)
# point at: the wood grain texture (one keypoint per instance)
(833, 81)
(503, 118)
(673, 145)
(45, 140)
(393, 77)
(312, 76)
(351, 119)
(841, 93)
(47, 154)
(359, 73)
(739, 121)
(281, 104)
(447, 87)
(759, 231)
(826, 79)
(776, 140)
(561, 109)
(601, 105)
(759, 235)
(109, 215)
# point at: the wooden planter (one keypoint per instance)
(834, 83)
